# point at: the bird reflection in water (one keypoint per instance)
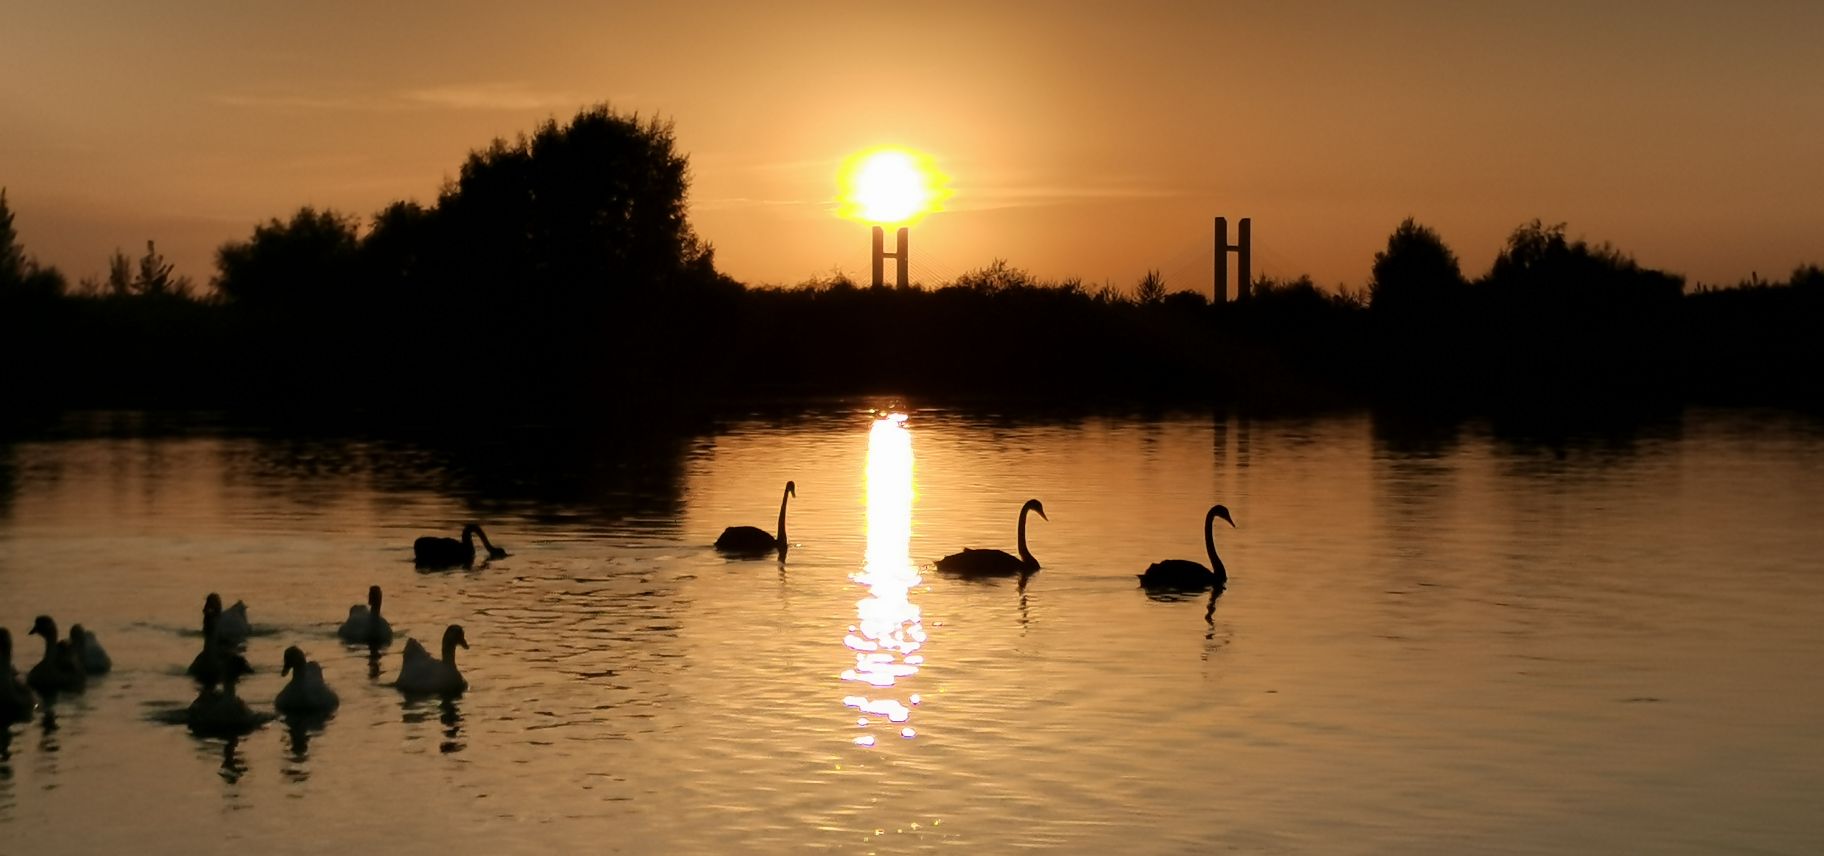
(889, 631)
(233, 765)
(418, 710)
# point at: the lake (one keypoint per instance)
(1437, 637)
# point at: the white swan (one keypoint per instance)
(307, 692)
(421, 673)
(365, 625)
(94, 658)
(15, 699)
(58, 671)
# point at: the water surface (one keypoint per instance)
(1437, 639)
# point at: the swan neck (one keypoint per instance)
(1209, 544)
(783, 499)
(484, 540)
(1025, 554)
(449, 651)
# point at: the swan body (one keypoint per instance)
(433, 551)
(365, 625)
(59, 670)
(218, 712)
(307, 693)
(231, 625)
(996, 562)
(89, 653)
(15, 699)
(216, 664)
(755, 542)
(1186, 575)
(422, 674)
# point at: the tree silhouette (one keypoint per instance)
(20, 275)
(1416, 272)
(308, 261)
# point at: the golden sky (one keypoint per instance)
(1083, 138)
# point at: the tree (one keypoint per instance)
(593, 207)
(155, 279)
(20, 274)
(120, 274)
(1539, 266)
(1150, 291)
(308, 261)
(1416, 272)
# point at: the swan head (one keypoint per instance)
(791, 489)
(44, 626)
(453, 637)
(1035, 505)
(294, 659)
(213, 603)
(77, 634)
(373, 598)
(1221, 511)
(496, 553)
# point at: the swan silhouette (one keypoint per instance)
(231, 624)
(422, 674)
(1186, 575)
(434, 551)
(89, 653)
(15, 699)
(996, 562)
(59, 670)
(215, 663)
(307, 693)
(753, 542)
(218, 712)
(365, 626)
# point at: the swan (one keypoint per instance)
(365, 626)
(421, 673)
(307, 693)
(971, 561)
(15, 699)
(218, 712)
(59, 671)
(232, 626)
(754, 542)
(89, 653)
(432, 551)
(214, 664)
(1184, 574)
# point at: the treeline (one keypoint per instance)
(559, 270)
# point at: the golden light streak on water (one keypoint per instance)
(889, 630)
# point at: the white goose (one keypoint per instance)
(422, 674)
(365, 625)
(307, 693)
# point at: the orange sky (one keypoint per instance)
(1084, 138)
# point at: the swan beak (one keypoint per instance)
(1224, 514)
(286, 669)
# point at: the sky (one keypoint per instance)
(1083, 139)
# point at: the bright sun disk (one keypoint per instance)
(889, 186)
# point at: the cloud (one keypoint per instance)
(462, 96)
(491, 96)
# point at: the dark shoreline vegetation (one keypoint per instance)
(558, 273)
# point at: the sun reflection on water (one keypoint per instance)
(889, 631)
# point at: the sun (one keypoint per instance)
(889, 186)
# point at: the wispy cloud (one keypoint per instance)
(460, 96)
(1017, 195)
(491, 96)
